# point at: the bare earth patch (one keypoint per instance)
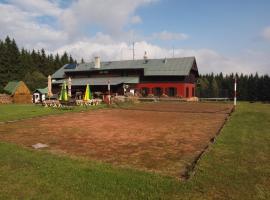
(160, 137)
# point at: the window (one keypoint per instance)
(157, 91)
(145, 91)
(171, 91)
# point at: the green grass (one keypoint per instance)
(11, 112)
(237, 166)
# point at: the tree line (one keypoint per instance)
(249, 87)
(32, 67)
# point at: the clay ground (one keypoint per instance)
(161, 137)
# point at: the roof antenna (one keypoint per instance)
(133, 50)
(165, 60)
(121, 52)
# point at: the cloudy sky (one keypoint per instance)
(225, 36)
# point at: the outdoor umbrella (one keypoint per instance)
(63, 94)
(49, 86)
(87, 95)
(69, 87)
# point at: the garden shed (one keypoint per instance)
(39, 95)
(19, 92)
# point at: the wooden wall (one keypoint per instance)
(22, 94)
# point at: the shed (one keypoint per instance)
(19, 92)
(40, 95)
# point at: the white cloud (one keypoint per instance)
(266, 33)
(18, 20)
(136, 19)
(39, 8)
(22, 26)
(208, 60)
(111, 15)
(165, 35)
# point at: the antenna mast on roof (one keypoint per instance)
(133, 50)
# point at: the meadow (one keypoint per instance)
(235, 166)
(10, 112)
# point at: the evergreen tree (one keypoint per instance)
(35, 80)
(3, 66)
(64, 59)
(214, 88)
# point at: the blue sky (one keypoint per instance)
(224, 35)
(228, 26)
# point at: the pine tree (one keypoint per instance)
(35, 80)
(214, 89)
(3, 67)
(64, 59)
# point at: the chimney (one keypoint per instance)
(145, 57)
(165, 60)
(97, 62)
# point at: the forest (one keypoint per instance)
(34, 66)
(249, 87)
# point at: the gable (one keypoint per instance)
(22, 89)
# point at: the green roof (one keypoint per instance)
(100, 81)
(42, 90)
(11, 87)
(153, 67)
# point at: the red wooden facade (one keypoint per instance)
(185, 90)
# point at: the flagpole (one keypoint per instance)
(109, 91)
(235, 87)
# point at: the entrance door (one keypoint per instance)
(187, 92)
(144, 92)
(157, 91)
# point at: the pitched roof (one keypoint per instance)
(153, 67)
(12, 86)
(100, 81)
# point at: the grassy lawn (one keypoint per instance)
(11, 112)
(235, 167)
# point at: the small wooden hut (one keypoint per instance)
(39, 95)
(19, 92)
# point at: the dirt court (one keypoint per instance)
(160, 137)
